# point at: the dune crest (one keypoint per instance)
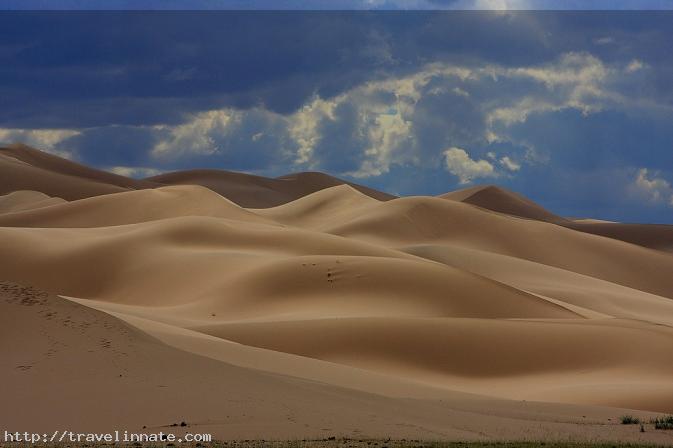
(21, 200)
(498, 199)
(425, 220)
(252, 191)
(132, 207)
(321, 208)
(309, 299)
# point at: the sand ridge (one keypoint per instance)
(252, 191)
(326, 307)
(491, 197)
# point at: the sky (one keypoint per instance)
(573, 109)
(337, 4)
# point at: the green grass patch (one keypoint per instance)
(663, 422)
(630, 420)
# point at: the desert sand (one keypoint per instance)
(306, 307)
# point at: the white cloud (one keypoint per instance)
(305, 123)
(492, 5)
(45, 139)
(654, 189)
(634, 66)
(459, 163)
(574, 81)
(197, 136)
(510, 164)
(385, 136)
(571, 69)
(605, 40)
(134, 171)
(377, 120)
(460, 92)
(384, 112)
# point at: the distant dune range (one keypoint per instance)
(499, 200)
(307, 306)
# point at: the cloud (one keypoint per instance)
(461, 92)
(575, 80)
(198, 66)
(364, 131)
(459, 163)
(405, 120)
(576, 97)
(576, 114)
(305, 123)
(200, 135)
(492, 5)
(654, 189)
(134, 171)
(634, 66)
(46, 139)
(604, 40)
(510, 164)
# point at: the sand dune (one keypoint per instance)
(22, 200)
(500, 200)
(161, 262)
(322, 208)
(526, 355)
(57, 165)
(418, 220)
(497, 199)
(19, 175)
(260, 192)
(91, 360)
(324, 308)
(325, 286)
(654, 236)
(132, 207)
(594, 297)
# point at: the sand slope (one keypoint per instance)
(339, 312)
(417, 220)
(22, 200)
(58, 165)
(132, 207)
(463, 353)
(260, 192)
(594, 298)
(18, 175)
(322, 208)
(500, 200)
(655, 236)
(91, 360)
(497, 199)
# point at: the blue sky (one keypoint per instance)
(571, 108)
(337, 4)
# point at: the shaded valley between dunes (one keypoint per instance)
(306, 306)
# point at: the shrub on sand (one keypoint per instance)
(630, 420)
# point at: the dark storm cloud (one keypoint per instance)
(91, 69)
(548, 103)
